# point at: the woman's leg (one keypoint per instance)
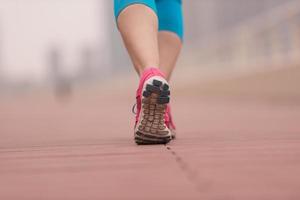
(169, 49)
(170, 34)
(138, 25)
(170, 38)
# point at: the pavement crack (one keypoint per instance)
(192, 175)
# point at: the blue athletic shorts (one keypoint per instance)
(169, 13)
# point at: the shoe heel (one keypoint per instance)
(151, 129)
(162, 90)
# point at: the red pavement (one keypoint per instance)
(84, 149)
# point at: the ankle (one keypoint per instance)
(144, 70)
(149, 70)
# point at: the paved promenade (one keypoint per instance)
(83, 148)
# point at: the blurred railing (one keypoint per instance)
(269, 39)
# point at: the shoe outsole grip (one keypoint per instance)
(151, 129)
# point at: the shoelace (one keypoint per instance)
(133, 110)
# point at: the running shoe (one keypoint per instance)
(153, 96)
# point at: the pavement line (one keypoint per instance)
(201, 185)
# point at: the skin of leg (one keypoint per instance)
(170, 34)
(169, 49)
(138, 25)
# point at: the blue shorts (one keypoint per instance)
(169, 13)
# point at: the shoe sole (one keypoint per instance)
(151, 129)
(173, 135)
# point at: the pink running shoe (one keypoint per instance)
(152, 98)
(169, 122)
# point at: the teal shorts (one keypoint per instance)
(169, 13)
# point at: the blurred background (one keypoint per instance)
(44, 43)
(71, 51)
